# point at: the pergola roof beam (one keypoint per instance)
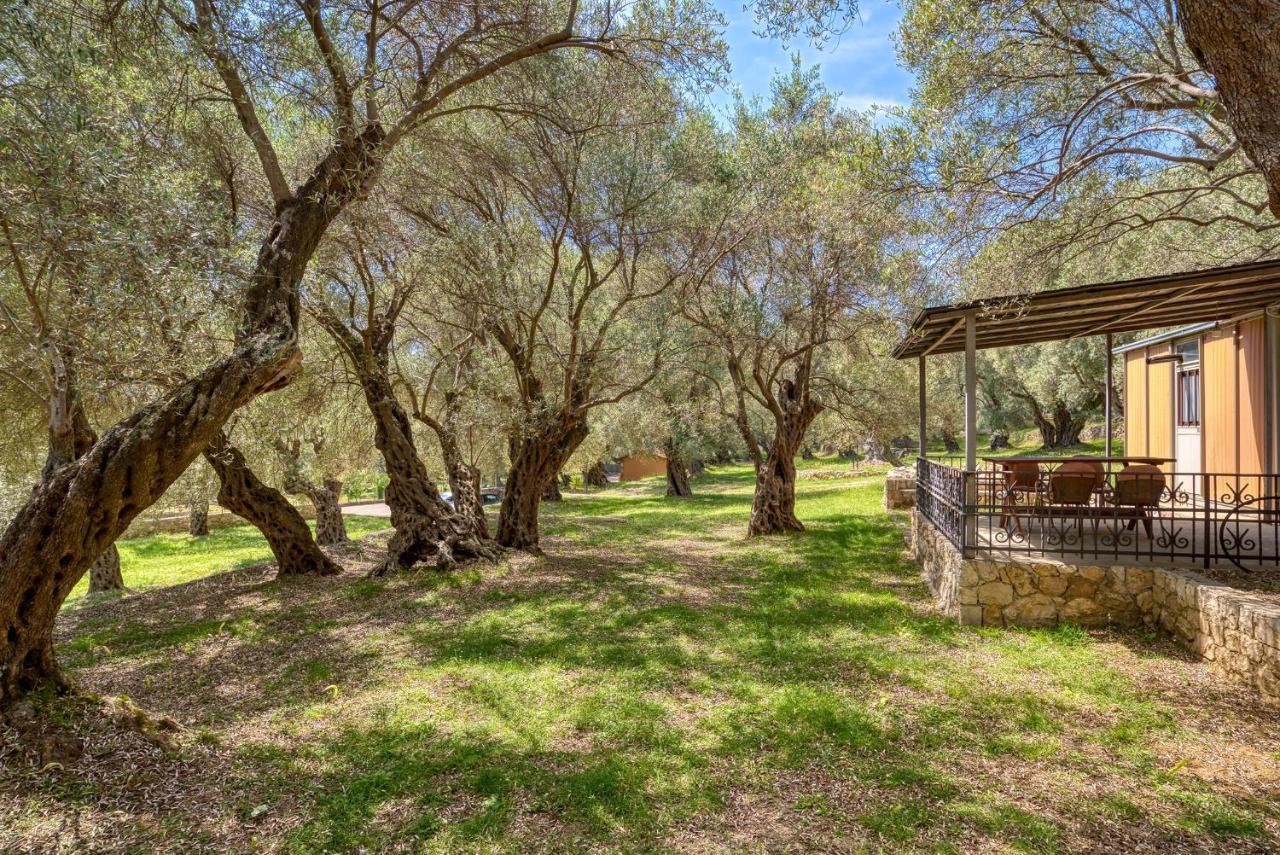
(1138, 304)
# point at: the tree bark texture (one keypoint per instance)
(331, 527)
(325, 497)
(198, 519)
(425, 526)
(595, 476)
(551, 493)
(773, 509)
(104, 574)
(536, 460)
(243, 493)
(464, 479)
(1238, 42)
(677, 471)
(73, 516)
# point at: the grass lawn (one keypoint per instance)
(158, 560)
(656, 683)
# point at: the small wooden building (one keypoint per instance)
(638, 466)
(1204, 395)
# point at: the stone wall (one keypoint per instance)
(940, 563)
(900, 488)
(1238, 631)
(1029, 592)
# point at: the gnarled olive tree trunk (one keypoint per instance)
(425, 526)
(242, 493)
(198, 519)
(464, 479)
(536, 460)
(74, 515)
(1238, 42)
(596, 476)
(551, 493)
(331, 527)
(70, 437)
(773, 509)
(325, 497)
(104, 574)
(677, 471)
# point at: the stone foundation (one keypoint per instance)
(1238, 631)
(900, 488)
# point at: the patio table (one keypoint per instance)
(1122, 459)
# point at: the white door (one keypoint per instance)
(1188, 409)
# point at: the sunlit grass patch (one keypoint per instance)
(660, 682)
(160, 560)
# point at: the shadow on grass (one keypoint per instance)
(657, 670)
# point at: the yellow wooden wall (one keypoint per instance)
(1135, 402)
(1233, 385)
(1251, 361)
(1220, 426)
(1160, 407)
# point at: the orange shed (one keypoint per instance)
(637, 466)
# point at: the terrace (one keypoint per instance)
(1160, 506)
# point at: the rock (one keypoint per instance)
(1093, 574)
(1138, 579)
(971, 615)
(992, 616)
(1036, 610)
(1022, 580)
(995, 593)
(1082, 610)
(1054, 586)
(987, 570)
(1081, 588)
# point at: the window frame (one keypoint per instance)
(1182, 375)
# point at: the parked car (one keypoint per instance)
(488, 497)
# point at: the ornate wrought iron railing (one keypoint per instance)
(1104, 511)
(940, 497)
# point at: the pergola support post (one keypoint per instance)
(923, 452)
(1108, 394)
(970, 537)
(970, 391)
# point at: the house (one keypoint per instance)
(642, 465)
(1203, 395)
(1118, 538)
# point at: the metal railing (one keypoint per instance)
(940, 492)
(1104, 511)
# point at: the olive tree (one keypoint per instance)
(1032, 109)
(357, 83)
(801, 278)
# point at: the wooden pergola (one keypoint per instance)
(1216, 294)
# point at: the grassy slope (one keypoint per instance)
(158, 560)
(659, 682)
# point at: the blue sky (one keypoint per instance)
(861, 64)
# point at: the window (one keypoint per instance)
(1189, 350)
(1189, 398)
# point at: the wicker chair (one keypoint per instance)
(1139, 487)
(1072, 485)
